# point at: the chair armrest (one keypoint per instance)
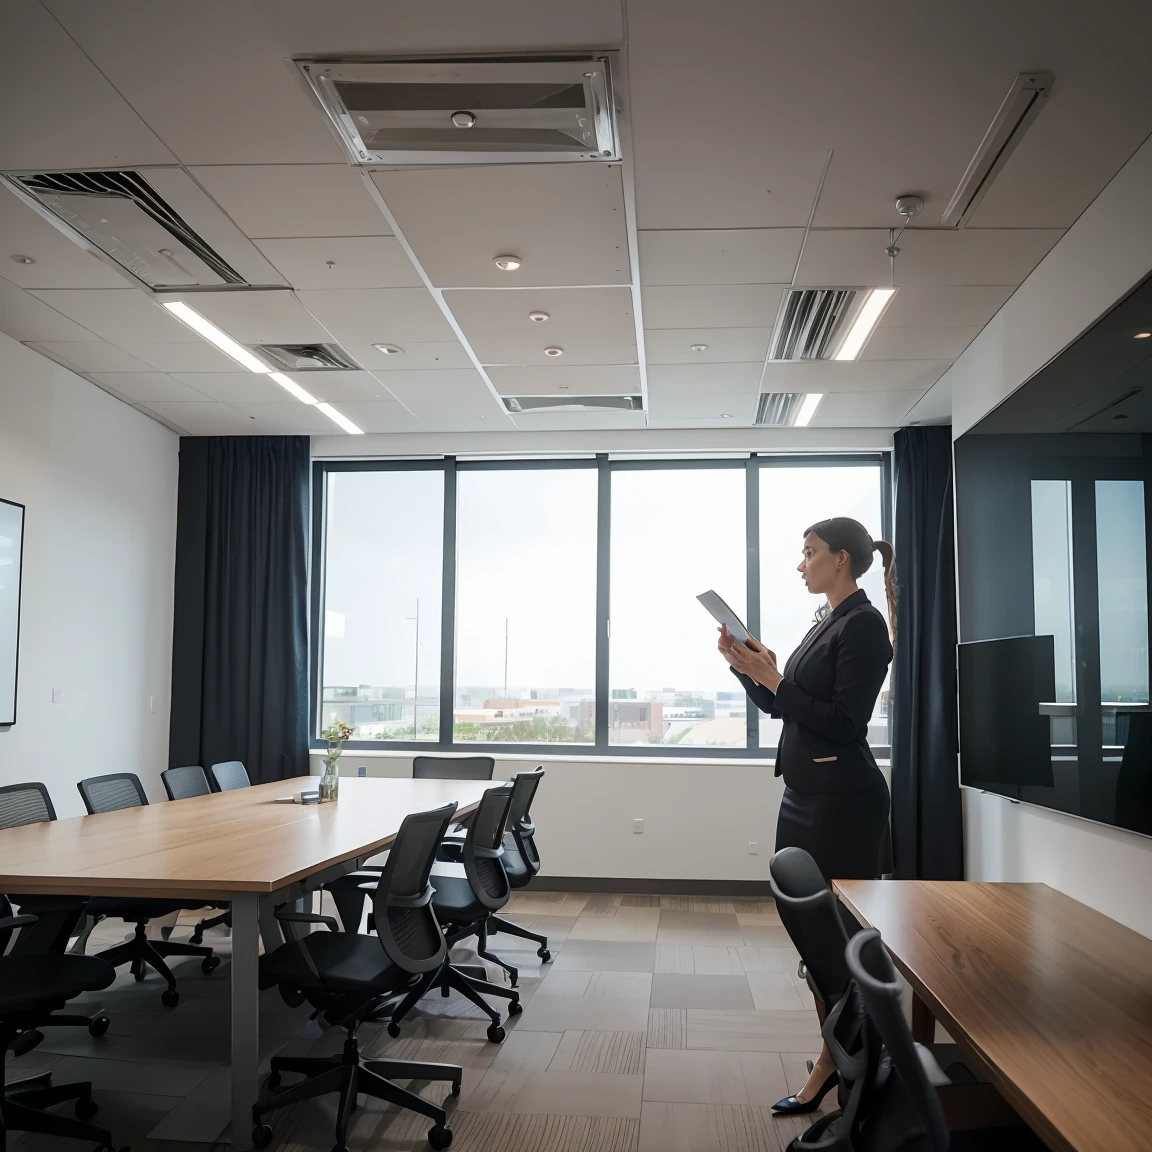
(294, 917)
(25, 921)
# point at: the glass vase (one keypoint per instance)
(330, 782)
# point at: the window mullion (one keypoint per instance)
(752, 538)
(603, 590)
(448, 609)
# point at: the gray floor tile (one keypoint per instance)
(674, 990)
(717, 1127)
(714, 929)
(705, 1077)
(753, 1031)
(147, 1077)
(605, 956)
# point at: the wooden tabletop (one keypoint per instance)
(1051, 997)
(207, 847)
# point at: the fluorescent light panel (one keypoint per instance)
(866, 319)
(340, 418)
(291, 387)
(213, 335)
(808, 409)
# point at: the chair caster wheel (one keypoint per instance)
(496, 1034)
(138, 975)
(197, 938)
(440, 1136)
(515, 1008)
(26, 1041)
(170, 998)
(86, 1108)
(544, 955)
(98, 1026)
(261, 1135)
(209, 964)
(273, 1082)
(393, 1029)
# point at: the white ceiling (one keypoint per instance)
(733, 115)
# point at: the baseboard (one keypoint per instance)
(759, 889)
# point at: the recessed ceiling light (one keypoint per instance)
(340, 418)
(388, 349)
(463, 120)
(213, 335)
(725, 415)
(22, 259)
(808, 409)
(1138, 336)
(292, 388)
(866, 319)
(698, 348)
(553, 351)
(538, 317)
(507, 263)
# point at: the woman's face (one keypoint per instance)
(821, 568)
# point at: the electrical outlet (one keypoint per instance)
(57, 695)
(151, 703)
(638, 827)
(753, 848)
(361, 770)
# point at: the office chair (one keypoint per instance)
(346, 975)
(453, 767)
(181, 783)
(56, 916)
(229, 775)
(110, 794)
(32, 987)
(465, 895)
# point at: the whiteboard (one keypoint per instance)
(11, 548)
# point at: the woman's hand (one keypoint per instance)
(751, 658)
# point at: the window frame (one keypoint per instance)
(605, 466)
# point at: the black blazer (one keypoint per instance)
(826, 699)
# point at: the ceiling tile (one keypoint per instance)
(578, 421)
(591, 325)
(272, 317)
(885, 408)
(202, 418)
(23, 317)
(856, 256)
(273, 200)
(710, 305)
(78, 120)
(91, 356)
(739, 376)
(917, 343)
(380, 416)
(565, 221)
(932, 306)
(740, 256)
(681, 391)
(357, 262)
(381, 315)
(446, 395)
(724, 345)
(119, 315)
(852, 375)
(252, 387)
(198, 357)
(282, 418)
(935, 406)
(148, 386)
(417, 355)
(598, 380)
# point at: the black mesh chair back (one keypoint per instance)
(453, 767)
(190, 780)
(402, 903)
(520, 826)
(809, 912)
(228, 775)
(113, 792)
(22, 804)
(904, 1113)
(484, 848)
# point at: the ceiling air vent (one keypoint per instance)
(122, 216)
(520, 404)
(307, 357)
(813, 322)
(778, 409)
(495, 111)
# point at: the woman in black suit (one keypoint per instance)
(836, 802)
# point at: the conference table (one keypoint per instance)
(240, 847)
(1052, 999)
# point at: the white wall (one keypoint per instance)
(99, 483)
(1098, 261)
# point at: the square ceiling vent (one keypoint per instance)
(475, 111)
(307, 357)
(816, 323)
(522, 404)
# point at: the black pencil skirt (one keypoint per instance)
(846, 833)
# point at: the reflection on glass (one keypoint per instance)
(791, 500)
(1052, 590)
(384, 541)
(675, 533)
(526, 606)
(1121, 568)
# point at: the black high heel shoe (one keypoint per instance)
(790, 1106)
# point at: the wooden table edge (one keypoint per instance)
(1035, 1119)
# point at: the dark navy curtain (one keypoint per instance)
(240, 626)
(927, 834)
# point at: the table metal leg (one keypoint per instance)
(245, 1014)
(923, 1022)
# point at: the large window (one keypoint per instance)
(535, 605)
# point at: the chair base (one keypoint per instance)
(349, 1076)
(141, 953)
(454, 978)
(224, 918)
(22, 1110)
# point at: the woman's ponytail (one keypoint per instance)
(888, 558)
